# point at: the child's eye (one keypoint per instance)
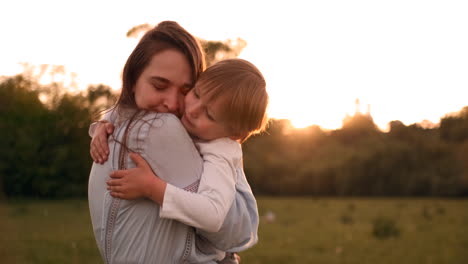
(210, 117)
(195, 92)
(185, 90)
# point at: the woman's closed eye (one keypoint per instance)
(159, 83)
(160, 86)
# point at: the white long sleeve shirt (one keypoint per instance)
(223, 190)
(207, 208)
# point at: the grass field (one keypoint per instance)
(292, 230)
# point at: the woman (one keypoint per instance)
(158, 73)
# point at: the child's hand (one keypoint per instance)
(137, 182)
(230, 258)
(99, 146)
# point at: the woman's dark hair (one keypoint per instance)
(166, 35)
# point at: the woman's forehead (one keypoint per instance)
(170, 65)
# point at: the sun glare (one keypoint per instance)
(409, 69)
(299, 122)
(325, 120)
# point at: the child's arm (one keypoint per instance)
(207, 209)
(99, 132)
(240, 227)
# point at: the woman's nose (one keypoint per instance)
(172, 103)
(172, 106)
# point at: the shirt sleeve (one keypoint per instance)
(208, 208)
(240, 228)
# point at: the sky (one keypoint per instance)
(404, 60)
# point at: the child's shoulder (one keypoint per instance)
(220, 142)
(221, 146)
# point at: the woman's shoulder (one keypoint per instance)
(163, 123)
(164, 143)
(150, 128)
(162, 129)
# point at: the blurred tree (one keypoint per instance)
(45, 147)
(138, 30)
(356, 127)
(99, 98)
(454, 127)
(357, 159)
(220, 50)
(21, 119)
(462, 155)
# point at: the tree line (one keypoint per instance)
(45, 150)
(360, 160)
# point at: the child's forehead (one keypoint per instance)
(210, 93)
(215, 105)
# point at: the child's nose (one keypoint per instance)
(194, 110)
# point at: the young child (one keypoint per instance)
(226, 106)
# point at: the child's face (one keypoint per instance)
(203, 120)
(163, 83)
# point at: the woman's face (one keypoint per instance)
(163, 84)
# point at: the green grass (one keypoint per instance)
(47, 232)
(305, 230)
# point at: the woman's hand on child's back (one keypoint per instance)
(99, 146)
(137, 182)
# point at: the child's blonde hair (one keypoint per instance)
(242, 88)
